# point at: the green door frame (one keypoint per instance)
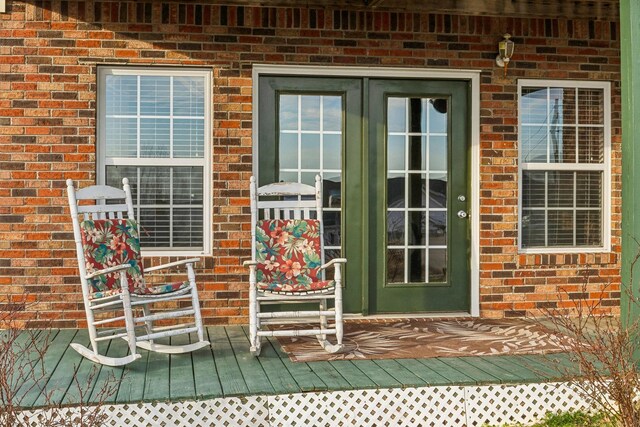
(473, 76)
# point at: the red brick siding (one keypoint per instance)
(49, 52)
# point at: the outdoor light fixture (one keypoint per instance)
(505, 51)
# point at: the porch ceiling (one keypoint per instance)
(594, 9)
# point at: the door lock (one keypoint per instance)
(461, 198)
(462, 214)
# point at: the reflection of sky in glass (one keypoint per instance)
(310, 156)
(437, 120)
(397, 114)
(310, 112)
(332, 113)
(438, 153)
(288, 119)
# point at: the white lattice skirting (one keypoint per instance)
(423, 406)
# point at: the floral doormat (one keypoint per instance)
(424, 338)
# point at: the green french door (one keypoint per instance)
(418, 169)
(393, 158)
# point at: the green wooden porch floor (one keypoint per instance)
(227, 369)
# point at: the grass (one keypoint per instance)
(570, 419)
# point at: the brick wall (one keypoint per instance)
(49, 52)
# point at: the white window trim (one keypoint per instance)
(102, 162)
(472, 76)
(606, 191)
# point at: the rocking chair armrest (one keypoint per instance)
(333, 261)
(249, 263)
(172, 264)
(108, 270)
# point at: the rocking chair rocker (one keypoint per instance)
(287, 265)
(112, 277)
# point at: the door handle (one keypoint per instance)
(462, 214)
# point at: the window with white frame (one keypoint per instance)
(153, 128)
(564, 165)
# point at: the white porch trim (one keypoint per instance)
(473, 76)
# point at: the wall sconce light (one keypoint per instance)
(505, 51)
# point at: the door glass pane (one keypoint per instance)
(417, 175)
(309, 144)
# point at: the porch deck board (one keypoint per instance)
(182, 383)
(400, 373)
(428, 376)
(228, 370)
(204, 368)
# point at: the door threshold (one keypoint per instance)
(386, 316)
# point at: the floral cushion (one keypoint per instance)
(150, 291)
(288, 256)
(111, 242)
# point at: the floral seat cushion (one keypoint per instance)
(288, 256)
(111, 242)
(150, 291)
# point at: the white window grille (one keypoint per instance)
(564, 165)
(153, 128)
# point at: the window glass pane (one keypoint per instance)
(331, 113)
(589, 228)
(417, 116)
(395, 228)
(561, 228)
(188, 186)
(438, 153)
(416, 190)
(563, 144)
(437, 190)
(561, 189)
(437, 265)
(533, 189)
(562, 106)
(589, 185)
(155, 95)
(395, 190)
(188, 138)
(417, 265)
(437, 228)
(121, 135)
(155, 185)
(331, 228)
(288, 118)
(310, 112)
(533, 228)
(533, 105)
(591, 145)
(310, 156)
(188, 228)
(395, 266)
(396, 153)
(154, 137)
(533, 143)
(396, 115)
(288, 150)
(114, 175)
(591, 106)
(121, 94)
(417, 152)
(417, 228)
(188, 96)
(438, 115)
(331, 189)
(309, 178)
(155, 227)
(332, 151)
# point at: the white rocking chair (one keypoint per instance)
(112, 277)
(287, 265)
